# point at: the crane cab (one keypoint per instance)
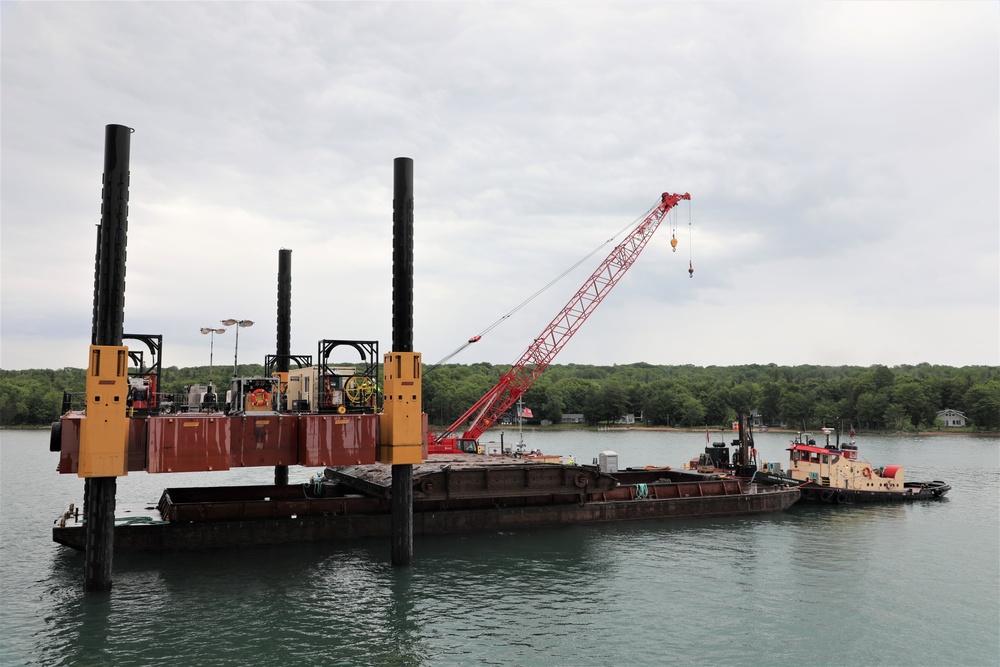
(455, 446)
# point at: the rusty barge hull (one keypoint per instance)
(250, 516)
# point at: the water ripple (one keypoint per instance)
(915, 584)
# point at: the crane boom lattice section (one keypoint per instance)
(523, 373)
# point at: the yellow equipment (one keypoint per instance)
(400, 423)
(104, 432)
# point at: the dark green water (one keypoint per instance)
(888, 585)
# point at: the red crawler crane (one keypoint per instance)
(523, 373)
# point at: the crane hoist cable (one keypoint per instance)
(672, 221)
(690, 244)
(477, 337)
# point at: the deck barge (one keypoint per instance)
(450, 495)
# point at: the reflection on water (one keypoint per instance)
(896, 584)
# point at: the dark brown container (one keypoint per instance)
(269, 440)
(189, 443)
(337, 440)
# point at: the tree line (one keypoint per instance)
(872, 398)
(876, 397)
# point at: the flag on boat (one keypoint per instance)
(526, 413)
(852, 432)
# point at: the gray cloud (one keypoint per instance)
(842, 159)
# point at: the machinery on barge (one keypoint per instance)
(739, 461)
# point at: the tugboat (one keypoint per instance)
(832, 473)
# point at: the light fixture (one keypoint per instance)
(239, 323)
(211, 350)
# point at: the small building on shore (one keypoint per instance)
(952, 418)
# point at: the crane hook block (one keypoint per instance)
(673, 243)
(401, 422)
(690, 269)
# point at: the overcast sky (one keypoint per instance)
(842, 161)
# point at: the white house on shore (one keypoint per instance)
(577, 418)
(952, 418)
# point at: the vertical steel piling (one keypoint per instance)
(283, 347)
(108, 327)
(402, 341)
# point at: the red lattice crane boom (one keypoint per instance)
(523, 373)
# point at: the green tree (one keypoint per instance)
(802, 396)
(572, 393)
(746, 396)
(13, 402)
(871, 407)
(692, 412)
(662, 403)
(771, 400)
(895, 417)
(882, 377)
(982, 404)
(796, 408)
(440, 401)
(910, 395)
(612, 401)
(717, 410)
(552, 410)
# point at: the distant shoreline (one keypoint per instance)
(717, 430)
(578, 427)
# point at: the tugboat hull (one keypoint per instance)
(812, 492)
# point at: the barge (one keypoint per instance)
(361, 422)
(451, 494)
